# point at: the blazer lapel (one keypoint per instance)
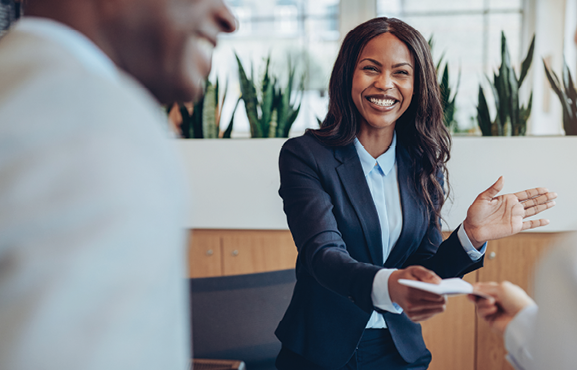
(353, 179)
(413, 212)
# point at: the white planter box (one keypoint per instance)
(234, 183)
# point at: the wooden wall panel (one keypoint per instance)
(246, 252)
(204, 253)
(450, 336)
(236, 252)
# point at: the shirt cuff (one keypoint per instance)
(473, 253)
(517, 334)
(380, 295)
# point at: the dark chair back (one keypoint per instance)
(234, 317)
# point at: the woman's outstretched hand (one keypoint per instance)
(493, 217)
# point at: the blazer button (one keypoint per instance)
(352, 299)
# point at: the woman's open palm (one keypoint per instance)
(493, 217)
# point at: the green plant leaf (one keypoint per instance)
(444, 85)
(186, 126)
(273, 124)
(483, 117)
(569, 123)
(503, 87)
(228, 132)
(555, 84)
(524, 115)
(572, 104)
(569, 88)
(527, 61)
(196, 119)
(267, 101)
(220, 104)
(292, 117)
(249, 97)
(209, 128)
(513, 103)
(283, 105)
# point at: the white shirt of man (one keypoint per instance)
(92, 267)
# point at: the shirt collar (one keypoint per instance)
(77, 44)
(385, 161)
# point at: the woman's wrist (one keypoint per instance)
(470, 231)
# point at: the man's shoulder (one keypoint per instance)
(32, 63)
(22, 53)
(40, 101)
(41, 74)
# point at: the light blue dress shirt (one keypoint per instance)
(381, 176)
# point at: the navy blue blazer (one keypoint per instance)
(335, 226)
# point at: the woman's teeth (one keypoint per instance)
(382, 102)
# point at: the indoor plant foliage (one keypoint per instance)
(271, 109)
(567, 96)
(448, 97)
(203, 121)
(511, 118)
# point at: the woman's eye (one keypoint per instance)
(403, 72)
(369, 68)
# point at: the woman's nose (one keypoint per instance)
(384, 82)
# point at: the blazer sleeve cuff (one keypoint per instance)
(473, 253)
(380, 294)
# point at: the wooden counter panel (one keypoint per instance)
(205, 253)
(450, 336)
(246, 252)
(236, 252)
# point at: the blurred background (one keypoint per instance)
(466, 34)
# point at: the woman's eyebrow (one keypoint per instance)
(373, 61)
(380, 64)
(403, 64)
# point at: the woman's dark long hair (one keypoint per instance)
(420, 129)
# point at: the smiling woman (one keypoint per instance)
(363, 196)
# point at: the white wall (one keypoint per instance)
(235, 182)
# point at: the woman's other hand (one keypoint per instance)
(493, 217)
(419, 305)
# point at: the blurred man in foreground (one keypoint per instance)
(542, 335)
(92, 263)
